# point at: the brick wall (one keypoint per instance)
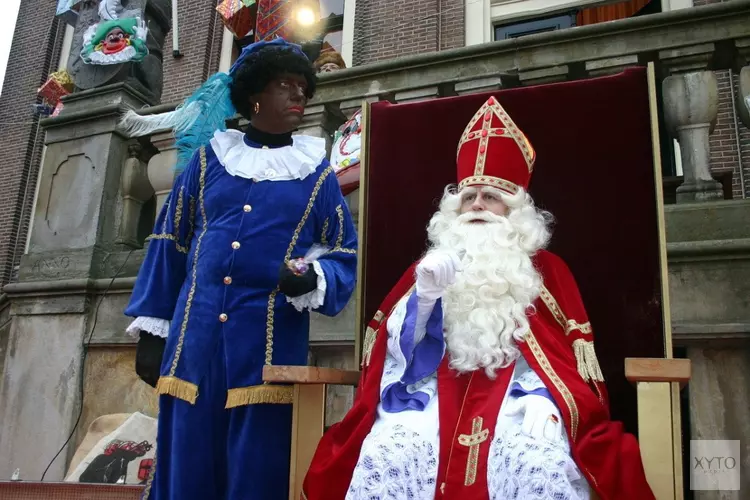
(200, 32)
(35, 52)
(391, 28)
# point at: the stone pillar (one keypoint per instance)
(136, 190)
(691, 105)
(321, 120)
(161, 171)
(73, 243)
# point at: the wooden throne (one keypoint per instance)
(598, 171)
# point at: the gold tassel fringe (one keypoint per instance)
(588, 365)
(260, 394)
(182, 389)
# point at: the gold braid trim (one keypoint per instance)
(546, 366)
(323, 238)
(151, 474)
(575, 325)
(181, 389)
(260, 394)
(169, 237)
(191, 293)
(289, 250)
(588, 364)
(178, 213)
(371, 334)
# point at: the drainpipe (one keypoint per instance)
(175, 31)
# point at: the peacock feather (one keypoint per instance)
(193, 122)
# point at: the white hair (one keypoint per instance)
(485, 310)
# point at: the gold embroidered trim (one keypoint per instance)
(568, 325)
(151, 474)
(340, 237)
(342, 250)
(181, 389)
(371, 337)
(553, 307)
(323, 238)
(259, 394)
(543, 361)
(574, 325)
(371, 334)
(191, 220)
(191, 293)
(488, 180)
(290, 249)
(511, 130)
(178, 212)
(588, 364)
(169, 237)
(473, 441)
(168, 204)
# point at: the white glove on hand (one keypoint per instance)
(541, 418)
(435, 273)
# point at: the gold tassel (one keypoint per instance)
(588, 365)
(178, 388)
(260, 394)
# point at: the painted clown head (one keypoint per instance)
(115, 41)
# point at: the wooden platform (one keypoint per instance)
(22, 490)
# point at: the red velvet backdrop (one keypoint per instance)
(594, 172)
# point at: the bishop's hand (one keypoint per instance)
(541, 418)
(435, 273)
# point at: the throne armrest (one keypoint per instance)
(309, 375)
(308, 411)
(658, 382)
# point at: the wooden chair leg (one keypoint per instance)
(308, 421)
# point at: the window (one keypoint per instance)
(335, 22)
(514, 30)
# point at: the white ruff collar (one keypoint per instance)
(268, 164)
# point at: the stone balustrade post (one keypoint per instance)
(691, 100)
(321, 120)
(136, 190)
(161, 172)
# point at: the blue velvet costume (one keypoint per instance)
(212, 269)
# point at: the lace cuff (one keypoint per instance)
(154, 326)
(311, 300)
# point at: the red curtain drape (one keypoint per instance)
(610, 12)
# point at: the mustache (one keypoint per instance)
(484, 216)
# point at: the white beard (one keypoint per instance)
(485, 309)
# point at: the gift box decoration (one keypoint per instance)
(239, 16)
(274, 20)
(67, 10)
(58, 84)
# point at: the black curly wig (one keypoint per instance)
(261, 68)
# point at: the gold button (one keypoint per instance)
(228, 280)
(223, 317)
(236, 245)
(247, 208)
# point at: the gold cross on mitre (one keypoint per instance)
(473, 440)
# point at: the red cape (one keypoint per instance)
(560, 334)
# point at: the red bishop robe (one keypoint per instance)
(559, 348)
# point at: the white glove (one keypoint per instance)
(541, 418)
(435, 273)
